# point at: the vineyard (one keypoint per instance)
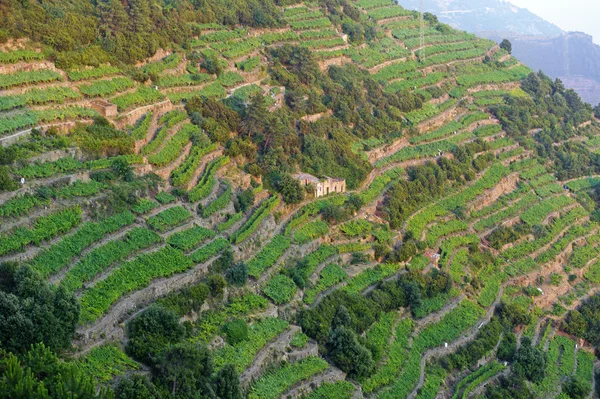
(294, 201)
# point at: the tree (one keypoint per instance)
(40, 374)
(227, 383)
(236, 331)
(506, 45)
(290, 189)
(32, 312)
(348, 354)
(244, 200)
(7, 183)
(152, 331)
(185, 370)
(136, 387)
(237, 274)
(576, 388)
(530, 362)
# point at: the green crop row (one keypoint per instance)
(106, 87)
(428, 111)
(105, 256)
(527, 247)
(169, 62)
(21, 205)
(330, 275)
(28, 77)
(268, 255)
(142, 96)
(12, 57)
(379, 183)
(323, 43)
(370, 4)
(158, 140)
(219, 203)
(506, 213)
(183, 80)
(168, 218)
(333, 390)
(92, 73)
(209, 323)
(281, 289)
(312, 209)
(105, 363)
(131, 276)
(538, 212)
(190, 238)
(54, 95)
(273, 385)
(182, 175)
(448, 245)
(498, 76)
(356, 228)
(79, 189)
(379, 334)
(388, 12)
(416, 83)
(583, 184)
(172, 149)
(440, 133)
(368, 277)
(254, 221)
(242, 354)
(143, 206)
(448, 329)
(475, 379)
(140, 130)
(44, 228)
(230, 79)
(396, 358)
(311, 24)
(395, 70)
(438, 39)
(207, 181)
(444, 229)
(209, 250)
(249, 64)
(425, 150)
(66, 165)
(310, 231)
(59, 255)
(231, 220)
(310, 262)
(445, 58)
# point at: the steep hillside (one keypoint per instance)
(156, 243)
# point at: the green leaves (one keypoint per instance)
(169, 218)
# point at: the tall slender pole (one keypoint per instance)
(422, 33)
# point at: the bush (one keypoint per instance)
(236, 331)
(237, 275)
(151, 332)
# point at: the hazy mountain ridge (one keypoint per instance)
(486, 15)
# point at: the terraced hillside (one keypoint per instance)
(152, 235)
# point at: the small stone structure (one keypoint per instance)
(324, 186)
(105, 108)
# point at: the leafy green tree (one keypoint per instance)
(40, 374)
(290, 189)
(7, 183)
(244, 200)
(237, 274)
(185, 370)
(348, 354)
(530, 362)
(227, 383)
(506, 45)
(136, 387)
(31, 311)
(152, 331)
(577, 388)
(236, 331)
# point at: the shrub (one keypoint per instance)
(235, 331)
